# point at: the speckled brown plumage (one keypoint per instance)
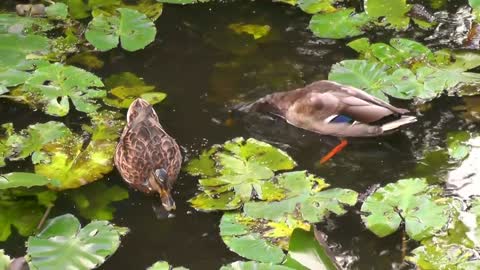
(146, 153)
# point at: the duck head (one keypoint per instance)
(159, 182)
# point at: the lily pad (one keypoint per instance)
(161, 265)
(182, 2)
(134, 30)
(394, 12)
(242, 166)
(256, 239)
(11, 23)
(363, 74)
(125, 87)
(405, 201)
(52, 86)
(73, 162)
(463, 180)
(444, 257)
(94, 201)
(458, 149)
(252, 265)
(15, 48)
(22, 179)
(305, 200)
(316, 6)
(339, 24)
(4, 260)
(57, 11)
(63, 244)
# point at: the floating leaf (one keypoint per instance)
(306, 251)
(24, 214)
(304, 201)
(52, 86)
(260, 240)
(125, 87)
(11, 23)
(339, 24)
(131, 27)
(444, 257)
(74, 164)
(4, 260)
(182, 2)
(409, 201)
(458, 148)
(164, 266)
(243, 166)
(57, 11)
(63, 244)
(315, 6)
(365, 75)
(22, 179)
(252, 265)
(15, 48)
(255, 30)
(394, 11)
(464, 180)
(94, 200)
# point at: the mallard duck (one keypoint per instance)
(329, 108)
(146, 156)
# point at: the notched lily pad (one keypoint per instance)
(305, 200)
(244, 167)
(75, 162)
(258, 239)
(125, 87)
(131, 27)
(407, 201)
(63, 244)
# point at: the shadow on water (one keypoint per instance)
(205, 70)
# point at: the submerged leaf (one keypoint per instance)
(63, 244)
(256, 31)
(131, 27)
(339, 24)
(409, 201)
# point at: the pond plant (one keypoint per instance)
(270, 213)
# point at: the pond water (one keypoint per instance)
(205, 71)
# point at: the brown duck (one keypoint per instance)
(147, 157)
(329, 108)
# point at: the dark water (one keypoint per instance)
(205, 71)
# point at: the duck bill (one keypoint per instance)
(167, 200)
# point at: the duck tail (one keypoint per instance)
(404, 120)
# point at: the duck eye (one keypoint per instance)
(161, 175)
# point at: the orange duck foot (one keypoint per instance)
(334, 151)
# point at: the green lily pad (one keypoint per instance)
(316, 6)
(63, 244)
(252, 265)
(305, 250)
(444, 257)
(182, 2)
(456, 143)
(22, 179)
(363, 74)
(256, 239)
(242, 166)
(94, 200)
(408, 201)
(11, 23)
(161, 265)
(74, 163)
(305, 200)
(339, 24)
(255, 30)
(134, 30)
(125, 87)
(15, 48)
(394, 12)
(57, 11)
(475, 4)
(52, 86)
(4, 260)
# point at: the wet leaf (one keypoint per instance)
(306, 250)
(255, 30)
(256, 239)
(134, 30)
(224, 201)
(22, 214)
(63, 244)
(365, 75)
(125, 87)
(409, 201)
(458, 148)
(252, 265)
(339, 24)
(444, 257)
(94, 201)
(73, 162)
(242, 166)
(4, 260)
(305, 200)
(161, 265)
(14, 50)
(52, 86)
(57, 11)
(10, 23)
(315, 6)
(394, 11)
(23, 179)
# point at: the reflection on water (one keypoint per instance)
(205, 70)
